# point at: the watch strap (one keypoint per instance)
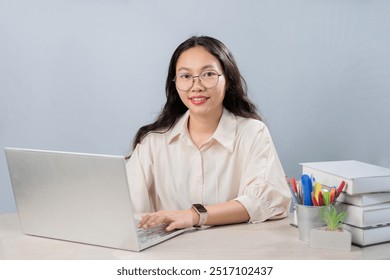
(202, 212)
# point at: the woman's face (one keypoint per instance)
(199, 98)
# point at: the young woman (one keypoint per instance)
(208, 159)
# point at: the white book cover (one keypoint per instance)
(366, 216)
(364, 199)
(370, 235)
(360, 177)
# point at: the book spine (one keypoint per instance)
(370, 235)
(366, 199)
(357, 200)
(366, 216)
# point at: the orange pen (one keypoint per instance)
(332, 195)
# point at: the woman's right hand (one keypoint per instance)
(176, 219)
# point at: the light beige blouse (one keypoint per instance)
(239, 162)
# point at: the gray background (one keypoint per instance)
(83, 75)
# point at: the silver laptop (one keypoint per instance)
(77, 197)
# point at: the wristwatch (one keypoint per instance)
(202, 211)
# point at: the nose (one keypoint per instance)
(197, 85)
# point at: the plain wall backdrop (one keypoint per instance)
(84, 75)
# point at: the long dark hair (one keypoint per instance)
(236, 98)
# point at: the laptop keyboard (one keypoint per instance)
(148, 235)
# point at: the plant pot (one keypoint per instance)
(308, 217)
(328, 239)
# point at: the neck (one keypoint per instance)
(201, 127)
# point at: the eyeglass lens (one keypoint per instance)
(209, 79)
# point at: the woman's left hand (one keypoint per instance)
(173, 219)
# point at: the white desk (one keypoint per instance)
(269, 240)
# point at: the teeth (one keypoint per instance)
(198, 98)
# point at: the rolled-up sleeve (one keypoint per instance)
(264, 191)
(139, 173)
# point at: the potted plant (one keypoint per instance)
(331, 236)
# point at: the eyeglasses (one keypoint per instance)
(185, 81)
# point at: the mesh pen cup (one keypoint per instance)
(308, 217)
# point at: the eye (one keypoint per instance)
(184, 76)
(209, 74)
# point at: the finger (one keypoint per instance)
(170, 227)
(155, 220)
(151, 220)
(173, 226)
(144, 220)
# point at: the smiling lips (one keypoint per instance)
(198, 100)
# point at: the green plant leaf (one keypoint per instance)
(331, 217)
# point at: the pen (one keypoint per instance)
(313, 180)
(317, 190)
(340, 188)
(307, 188)
(320, 199)
(299, 192)
(313, 198)
(332, 195)
(293, 191)
(326, 196)
(294, 184)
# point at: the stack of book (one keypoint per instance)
(366, 197)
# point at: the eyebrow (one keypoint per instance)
(203, 68)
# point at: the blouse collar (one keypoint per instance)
(224, 134)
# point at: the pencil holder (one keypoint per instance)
(308, 217)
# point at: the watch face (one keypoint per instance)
(200, 208)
